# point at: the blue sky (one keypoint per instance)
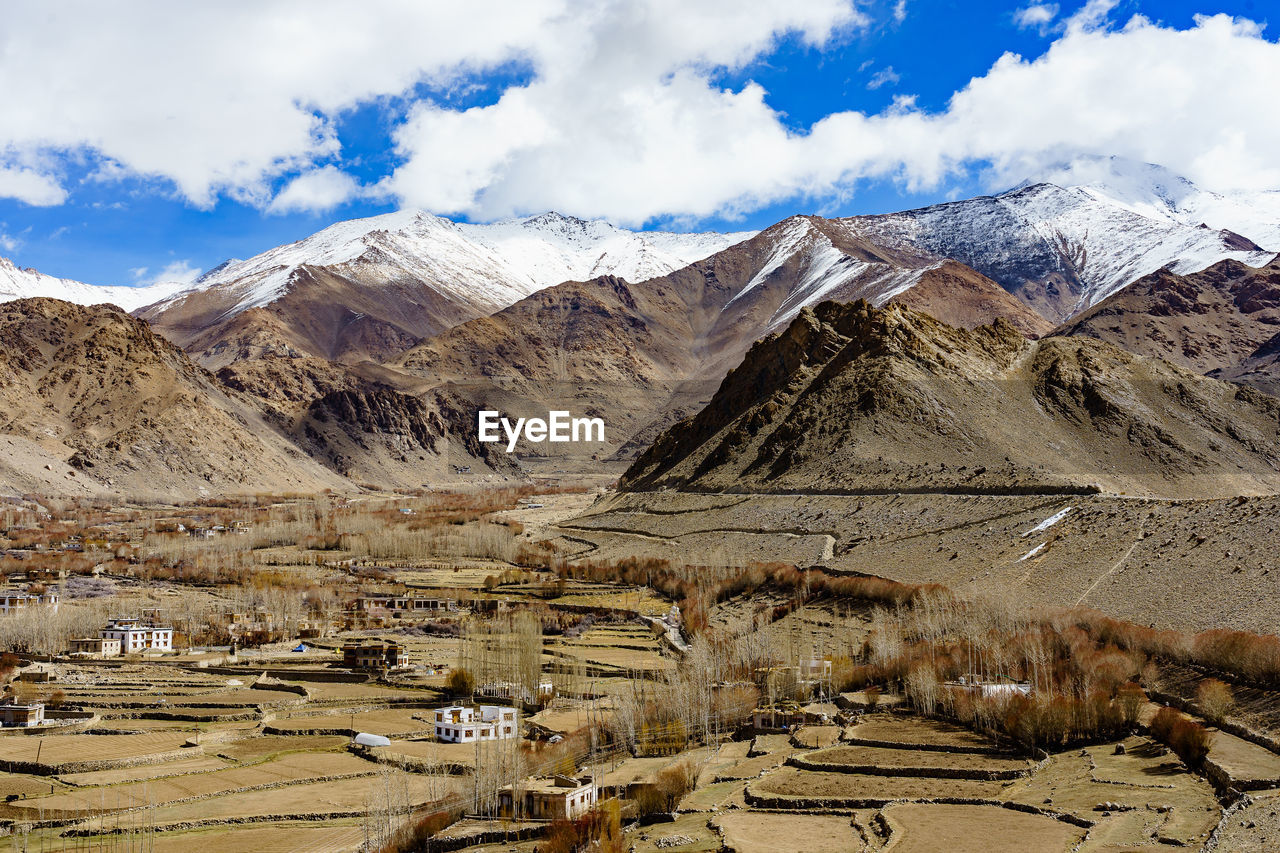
(188, 193)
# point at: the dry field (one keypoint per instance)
(758, 832)
(853, 790)
(401, 722)
(977, 829)
(1132, 558)
(916, 760)
(274, 838)
(285, 770)
(896, 729)
(72, 750)
(180, 767)
(1140, 798)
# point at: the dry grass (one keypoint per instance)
(915, 759)
(756, 832)
(55, 750)
(977, 829)
(790, 782)
(892, 728)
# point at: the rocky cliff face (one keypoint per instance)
(1213, 321)
(128, 411)
(852, 398)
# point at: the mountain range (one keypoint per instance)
(367, 348)
(852, 399)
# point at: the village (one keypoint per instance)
(437, 672)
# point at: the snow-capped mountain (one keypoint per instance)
(372, 286)
(1059, 249)
(490, 266)
(17, 283)
(1158, 193)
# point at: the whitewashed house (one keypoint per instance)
(467, 724)
(135, 637)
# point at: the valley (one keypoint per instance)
(897, 532)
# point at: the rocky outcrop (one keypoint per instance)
(854, 399)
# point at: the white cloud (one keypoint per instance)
(180, 271)
(1037, 16)
(620, 112)
(621, 129)
(900, 11)
(222, 98)
(315, 192)
(883, 77)
(28, 185)
(9, 243)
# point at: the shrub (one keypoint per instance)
(1187, 738)
(1163, 722)
(668, 788)
(1131, 699)
(598, 830)
(1214, 700)
(460, 682)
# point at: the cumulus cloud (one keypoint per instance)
(8, 243)
(1037, 16)
(884, 77)
(28, 185)
(315, 192)
(180, 271)
(223, 98)
(616, 131)
(618, 111)
(900, 11)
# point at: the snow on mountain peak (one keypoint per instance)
(18, 283)
(1159, 193)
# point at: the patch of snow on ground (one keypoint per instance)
(1033, 552)
(1049, 522)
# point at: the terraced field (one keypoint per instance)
(778, 793)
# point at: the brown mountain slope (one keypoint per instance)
(1209, 322)
(645, 355)
(128, 410)
(1261, 368)
(334, 313)
(851, 398)
(959, 296)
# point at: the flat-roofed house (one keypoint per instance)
(21, 716)
(548, 798)
(376, 656)
(136, 636)
(13, 602)
(96, 647)
(467, 723)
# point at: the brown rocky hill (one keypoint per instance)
(380, 436)
(1211, 322)
(92, 399)
(851, 398)
(345, 313)
(645, 355)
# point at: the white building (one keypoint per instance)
(990, 688)
(548, 798)
(13, 602)
(511, 690)
(137, 637)
(467, 724)
(21, 716)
